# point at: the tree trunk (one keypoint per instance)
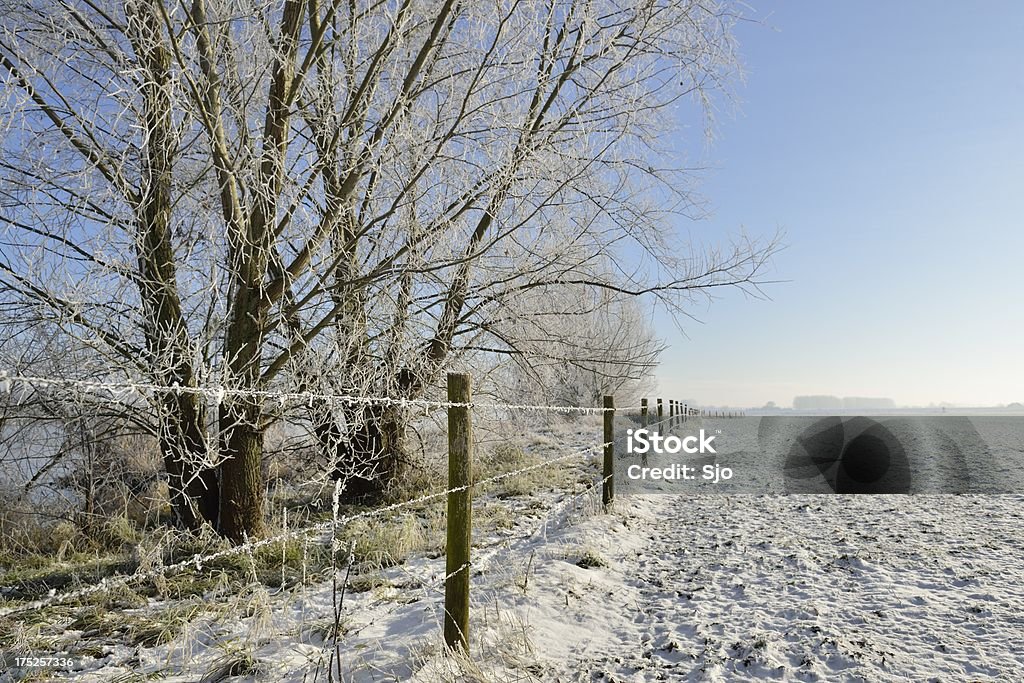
(241, 493)
(193, 490)
(370, 456)
(241, 480)
(241, 428)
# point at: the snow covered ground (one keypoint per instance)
(665, 587)
(809, 588)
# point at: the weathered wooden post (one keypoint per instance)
(686, 412)
(661, 413)
(460, 509)
(608, 489)
(671, 412)
(643, 423)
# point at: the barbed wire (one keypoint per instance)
(197, 561)
(218, 394)
(556, 508)
(481, 561)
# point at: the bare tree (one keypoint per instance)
(90, 153)
(608, 349)
(345, 197)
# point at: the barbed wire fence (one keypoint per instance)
(122, 390)
(322, 529)
(455, 581)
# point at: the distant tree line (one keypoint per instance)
(824, 402)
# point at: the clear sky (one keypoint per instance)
(887, 140)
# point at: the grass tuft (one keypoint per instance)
(591, 560)
(232, 663)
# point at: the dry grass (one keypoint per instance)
(236, 587)
(502, 652)
(379, 545)
(234, 662)
(163, 626)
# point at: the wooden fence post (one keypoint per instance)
(671, 412)
(686, 412)
(608, 490)
(661, 413)
(460, 509)
(643, 413)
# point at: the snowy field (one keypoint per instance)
(665, 587)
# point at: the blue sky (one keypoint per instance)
(887, 140)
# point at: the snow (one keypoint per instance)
(678, 587)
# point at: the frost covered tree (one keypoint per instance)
(344, 198)
(566, 351)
